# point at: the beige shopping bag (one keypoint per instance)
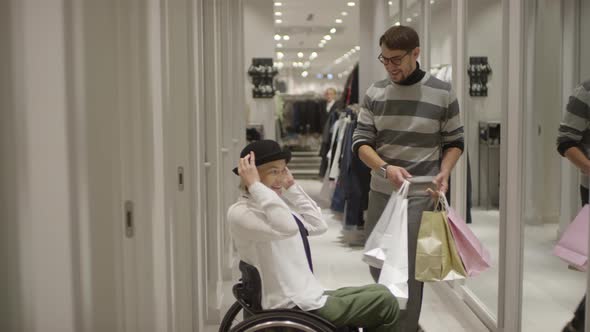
(437, 258)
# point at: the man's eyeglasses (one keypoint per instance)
(396, 60)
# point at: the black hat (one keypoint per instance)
(265, 151)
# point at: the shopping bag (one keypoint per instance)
(573, 245)
(437, 258)
(387, 246)
(475, 257)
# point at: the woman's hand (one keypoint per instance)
(247, 170)
(289, 180)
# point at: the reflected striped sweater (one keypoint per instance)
(574, 130)
(409, 126)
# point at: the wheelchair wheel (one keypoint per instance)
(282, 321)
(232, 317)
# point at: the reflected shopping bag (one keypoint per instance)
(573, 245)
(437, 258)
(474, 256)
(387, 246)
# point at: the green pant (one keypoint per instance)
(371, 307)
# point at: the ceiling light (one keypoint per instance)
(279, 21)
(327, 37)
(351, 4)
(409, 19)
(307, 64)
(320, 45)
(294, 64)
(280, 55)
(277, 37)
(397, 23)
(338, 20)
(278, 14)
(415, 14)
(333, 30)
(330, 76)
(299, 64)
(286, 37)
(300, 55)
(337, 61)
(278, 4)
(280, 65)
(319, 76)
(432, 2)
(279, 45)
(344, 13)
(323, 41)
(304, 74)
(391, 3)
(358, 48)
(313, 55)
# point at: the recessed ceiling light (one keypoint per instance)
(358, 48)
(397, 23)
(279, 45)
(280, 65)
(327, 37)
(432, 2)
(294, 64)
(344, 13)
(338, 20)
(286, 37)
(300, 55)
(277, 37)
(409, 19)
(320, 45)
(280, 55)
(333, 30)
(278, 4)
(330, 76)
(313, 55)
(351, 4)
(307, 64)
(278, 14)
(279, 21)
(304, 74)
(391, 3)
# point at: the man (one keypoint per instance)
(573, 142)
(270, 224)
(408, 128)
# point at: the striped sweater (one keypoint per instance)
(574, 130)
(409, 125)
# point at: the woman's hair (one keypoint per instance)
(243, 187)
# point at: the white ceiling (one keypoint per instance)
(307, 22)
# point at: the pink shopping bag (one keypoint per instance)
(475, 257)
(573, 245)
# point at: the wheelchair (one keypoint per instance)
(248, 294)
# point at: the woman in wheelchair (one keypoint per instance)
(270, 224)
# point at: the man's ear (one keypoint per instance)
(416, 52)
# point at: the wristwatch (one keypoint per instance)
(383, 170)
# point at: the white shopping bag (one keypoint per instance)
(387, 246)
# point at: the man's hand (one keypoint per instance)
(442, 185)
(442, 182)
(289, 180)
(247, 170)
(397, 175)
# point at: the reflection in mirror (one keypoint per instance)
(482, 134)
(547, 303)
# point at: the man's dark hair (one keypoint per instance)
(400, 38)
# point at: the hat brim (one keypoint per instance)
(281, 155)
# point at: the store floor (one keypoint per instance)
(338, 265)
